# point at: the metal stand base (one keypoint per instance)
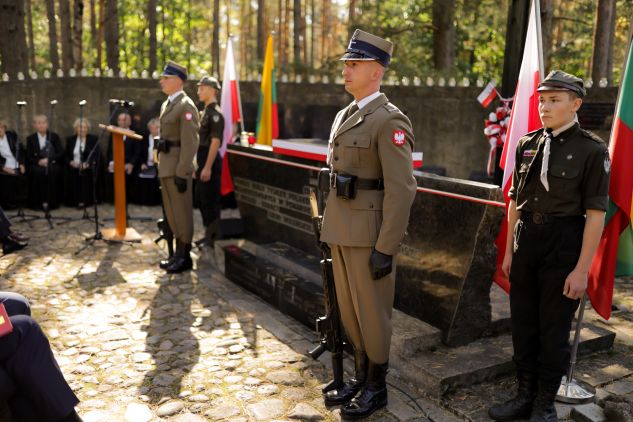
(573, 393)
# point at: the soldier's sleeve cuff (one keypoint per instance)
(512, 195)
(596, 203)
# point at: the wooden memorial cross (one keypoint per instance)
(120, 232)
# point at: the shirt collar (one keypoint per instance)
(563, 128)
(368, 99)
(173, 96)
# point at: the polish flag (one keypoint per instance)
(488, 94)
(524, 118)
(231, 110)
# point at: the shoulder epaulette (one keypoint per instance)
(591, 135)
(391, 108)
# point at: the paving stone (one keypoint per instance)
(620, 387)
(285, 378)
(170, 408)
(588, 413)
(305, 412)
(137, 412)
(188, 417)
(266, 409)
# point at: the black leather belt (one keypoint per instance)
(360, 183)
(541, 218)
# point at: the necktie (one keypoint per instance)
(351, 110)
(545, 162)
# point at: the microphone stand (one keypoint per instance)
(97, 236)
(50, 150)
(20, 213)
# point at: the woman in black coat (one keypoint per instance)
(44, 161)
(13, 182)
(80, 164)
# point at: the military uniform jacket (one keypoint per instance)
(179, 122)
(375, 142)
(578, 173)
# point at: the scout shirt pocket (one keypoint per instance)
(355, 148)
(366, 215)
(563, 179)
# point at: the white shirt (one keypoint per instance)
(80, 145)
(150, 151)
(563, 128)
(42, 139)
(5, 152)
(173, 96)
(368, 99)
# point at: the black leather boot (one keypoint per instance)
(372, 396)
(10, 245)
(520, 406)
(211, 234)
(543, 409)
(183, 261)
(353, 385)
(165, 263)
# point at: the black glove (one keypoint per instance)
(181, 184)
(379, 264)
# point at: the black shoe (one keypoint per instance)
(182, 262)
(72, 417)
(9, 245)
(520, 406)
(543, 409)
(165, 263)
(372, 396)
(350, 388)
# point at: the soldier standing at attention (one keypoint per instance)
(557, 208)
(366, 215)
(207, 193)
(177, 145)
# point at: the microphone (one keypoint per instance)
(123, 103)
(20, 103)
(53, 102)
(83, 102)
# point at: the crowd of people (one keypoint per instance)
(47, 172)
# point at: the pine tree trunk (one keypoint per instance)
(31, 44)
(93, 29)
(547, 19)
(352, 18)
(151, 19)
(443, 34)
(66, 35)
(111, 25)
(78, 17)
(100, 34)
(601, 37)
(297, 33)
(215, 47)
(312, 32)
(261, 31)
(52, 34)
(13, 49)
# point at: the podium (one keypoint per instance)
(120, 232)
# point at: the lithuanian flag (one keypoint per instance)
(615, 252)
(267, 119)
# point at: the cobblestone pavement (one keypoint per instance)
(138, 345)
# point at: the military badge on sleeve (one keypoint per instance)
(398, 137)
(216, 118)
(188, 116)
(607, 163)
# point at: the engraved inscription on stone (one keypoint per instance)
(282, 206)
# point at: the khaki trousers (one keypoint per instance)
(365, 304)
(178, 209)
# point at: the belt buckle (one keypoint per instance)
(332, 180)
(537, 218)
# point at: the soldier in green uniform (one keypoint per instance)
(557, 208)
(366, 214)
(177, 146)
(207, 192)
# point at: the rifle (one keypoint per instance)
(328, 326)
(165, 234)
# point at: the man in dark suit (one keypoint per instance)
(31, 382)
(131, 154)
(44, 157)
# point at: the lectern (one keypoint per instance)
(120, 232)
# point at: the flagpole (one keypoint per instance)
(237, 84)
(539, 37)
